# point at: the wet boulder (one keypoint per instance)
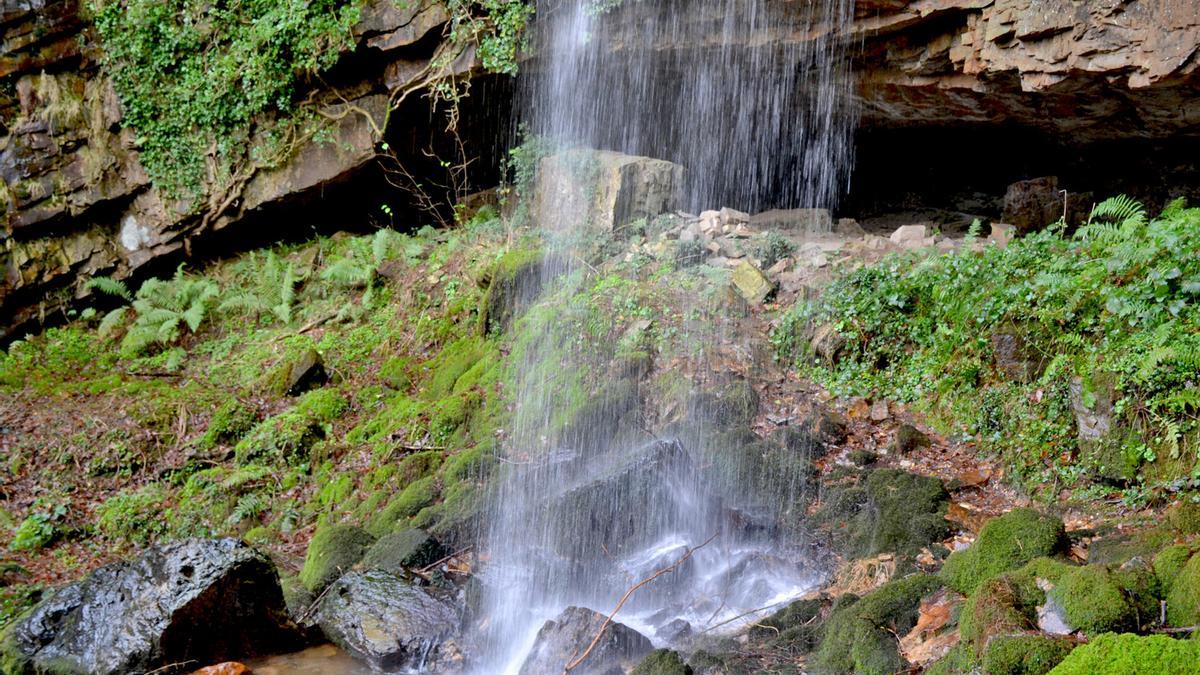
(565, 639)
(194, 600)
(385, 622)
(400, 551)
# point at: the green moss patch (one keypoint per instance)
(401, 551)
(1183, 599)
(1025, 654)
(889, 511)
(859, 636)
(662, 662)
(1004, 544)
(332, 552)
(1126, 654)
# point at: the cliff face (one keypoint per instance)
(76, 201)
(1090, 70)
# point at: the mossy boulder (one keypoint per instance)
(415, 496)
(297, 374)
(1004, 544)
(1184, 517)
(735, 404)
(1127, 654)
(404, 550)
(1169, 562)
(1097, 600)
(1183, 599)
(228, 424)
(960, 659)
(512, 283)
(859, 636)
(889, 511)
(332, 552)
(662, 662)
(1116, 549)
(794, 628)
(1025, 654)
(1002, 605)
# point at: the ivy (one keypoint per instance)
(192, 74)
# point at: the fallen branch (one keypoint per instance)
(742, 615)
(448, 558)
(1187, 629)
(600, 633)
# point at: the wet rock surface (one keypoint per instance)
(565, 638)
(384, 621)
(202, 600)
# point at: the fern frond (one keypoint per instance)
(1119, 209)
(109, 286)
(112, 321)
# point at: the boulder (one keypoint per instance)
(1102, 440)
(380, 619)
(404, 550)
(1030, 205)
(751, 283)
(194, 600)
(602, 191)
(828, 344)
(565, 638)
(299, 374)
(910, 237)
(909, 438)
(798, 221)
(1014, 357)
(331, 553)
(849, 227)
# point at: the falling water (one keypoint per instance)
(751, 97)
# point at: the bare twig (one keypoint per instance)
(448, 558)
(742, 615)
(600, 633)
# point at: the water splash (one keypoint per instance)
(751, 97)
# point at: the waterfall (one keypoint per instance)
(752, 98)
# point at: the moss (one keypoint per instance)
(662, 662)
(890, 511)
(513, 281)
(795, 614)
(456, 517)
(416, 496)
(1004, 544)
(1169, 563)
(1002, 605)
(1183, 599)
(1024, 654)
(296, 374)
(468, 464)
(859, 637)
(454, 361)
(133, 516)
(736, 404)
(332, 551)
(1117, 549)
(400, 551)
(289, 435)
(419, 465)
(296, 597)
(1126, 654)
(17, 600)
(394, 374)
(334, 493)
(1184, 517)
(1094, 602)
(228, 424)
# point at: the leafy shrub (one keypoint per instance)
(40, 528)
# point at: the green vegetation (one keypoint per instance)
(1004, 544)
(1024, 654)
(1110, 311)
(1131, 655)
(662, 662)
(193, 75)
(859, 634)
(888, 511)
(1183, 600)
(331, 553)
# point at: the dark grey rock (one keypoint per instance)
(567, 636)
(205, 601)
(380, 619)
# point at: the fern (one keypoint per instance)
(109, 286)
(272, 290)
(1119, 209)
(112, 321)
(248, 507)
(163, 307)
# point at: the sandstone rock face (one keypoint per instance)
(75, 201)
(1089, 70)
(604, 191)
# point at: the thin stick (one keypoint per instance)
(452, 556)
(670, 568)
(743, 614)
